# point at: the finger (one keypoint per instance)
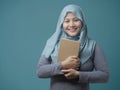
(68, 75)
(65, 71)
(77, 68)
(75, 57)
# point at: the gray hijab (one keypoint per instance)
(86, 44)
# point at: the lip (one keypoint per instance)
(72, 30)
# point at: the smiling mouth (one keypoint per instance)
(72, 30)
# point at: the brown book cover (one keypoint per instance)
(68, 48)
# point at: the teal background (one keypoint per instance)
(25, 25)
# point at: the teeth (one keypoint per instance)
(72, 30)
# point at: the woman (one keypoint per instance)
(91, 61)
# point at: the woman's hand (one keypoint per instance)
(71, 73)
(72, 62)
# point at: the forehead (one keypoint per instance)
(69, 15)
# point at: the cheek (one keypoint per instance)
(80, 25)
(64, 26)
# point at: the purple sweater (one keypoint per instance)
(95, 70)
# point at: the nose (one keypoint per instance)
(71, 23)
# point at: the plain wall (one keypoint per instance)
(25, 25)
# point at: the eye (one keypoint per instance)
(76, 19)
(66, 21)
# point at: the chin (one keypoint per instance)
(72, 35)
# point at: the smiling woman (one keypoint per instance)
(90, 61)
(71, 24)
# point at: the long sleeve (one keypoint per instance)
(101, 73)
(45, 69)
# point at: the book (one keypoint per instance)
(68, 48)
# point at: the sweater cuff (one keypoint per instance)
(58, 68)
(83, 77)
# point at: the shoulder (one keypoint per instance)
(95, 45)
(98, 50)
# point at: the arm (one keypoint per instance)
(45, 69)
(101, 73)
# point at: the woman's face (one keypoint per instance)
(72, 24)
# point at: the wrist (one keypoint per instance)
(63, 65)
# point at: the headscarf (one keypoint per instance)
(86, 44)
